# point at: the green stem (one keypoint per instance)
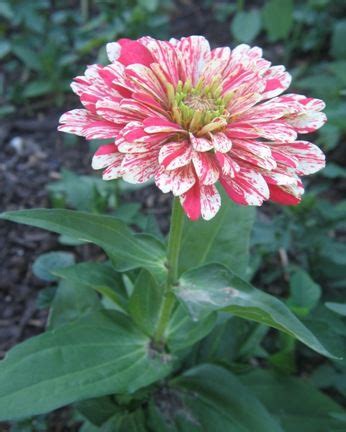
(174, 242)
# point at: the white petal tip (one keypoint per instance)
(113, 51)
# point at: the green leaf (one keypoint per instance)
(231, 340)
(130, 422)
(98, 410)
(209, 241)
(97, 355)
(71, 301)
(305, 293)
(29, 57)
(210, 398)
(45, 264)
(297, 404)
(182, 331)
(99, 277)
(5, 48)
(149, 5)
(339, 308)
(214, 287)
(128, 250)
(144, 305)
(338, 48)
(246, 25)
(277, 18)
(333, 171)
(37, 88)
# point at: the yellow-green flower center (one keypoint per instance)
(199, 109)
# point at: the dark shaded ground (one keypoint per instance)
(31, 156)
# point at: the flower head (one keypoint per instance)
(189, 117)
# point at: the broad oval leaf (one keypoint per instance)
(100, 354)
(210, 398)
(246, 25)
(278, 18)
(214, 287)
(182, 331)
(209, 241)
(297, 404)
(45, 264)
(128, 250)
(145, 301)
(99, 277)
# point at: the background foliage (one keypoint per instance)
(297, 253)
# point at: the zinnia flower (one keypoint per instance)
(189, 117)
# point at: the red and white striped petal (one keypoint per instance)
(307, 122)
(221, 142)
(163, 179)
(206, 168)
(245, 97)
(228, 166)
(104, 156)
(165, 55)
(193, 53)
(191, 202)
(155, 125)
(182, 179)
(223, 53)
(276, 131)
(144, 80)
(286, 195)
(175, 154)
(201, 144)
(255, 153)
(140, 167)
(310, 158)
(114, 170)
(82, 122)
(241, 130)
(127, 52)
(210, 201)
(248, 187)
(277, 81)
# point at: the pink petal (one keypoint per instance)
(200, 144)
(276, 131)
(140, 167)
(210, 201)
(104, 156)
(307, 122)
(286, 195)
(191, 202)
(159, 125)
(310, 158)
(114, 170)
(163, 179)
(193, 52)
(165, 55)
(144, 80)
(277, 81)
(83, 123)
(206, 168)
(221, 142)
(175, 155)
(247, 188)
(128, 52)
(182, 180)
(255, 153)
(245, 97)
(228, 166)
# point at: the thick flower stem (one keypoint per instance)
(174, 242)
